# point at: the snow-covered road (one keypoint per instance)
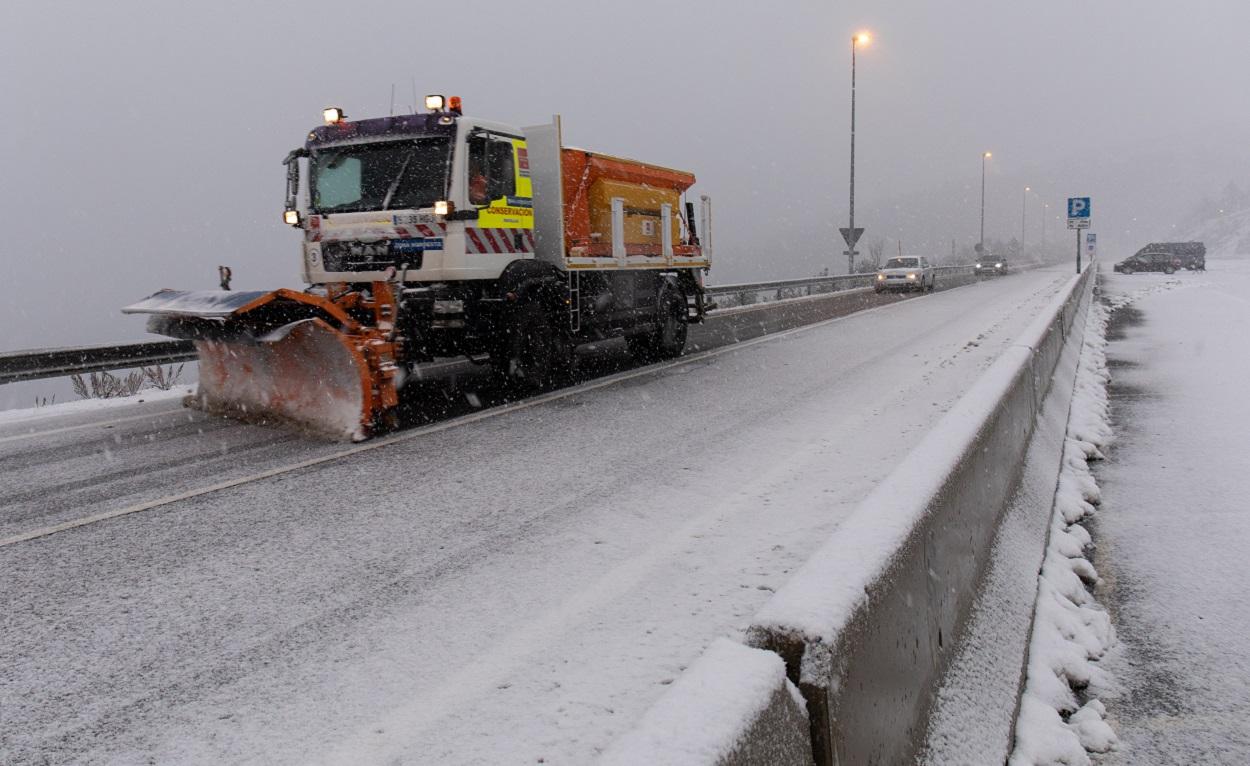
(1174, 525)
(512, 589)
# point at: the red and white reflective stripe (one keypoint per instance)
(498, 240)
(472, 243)
(437, 230)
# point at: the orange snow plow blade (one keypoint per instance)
(288, 357)
(312, 377)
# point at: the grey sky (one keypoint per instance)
(142, 141)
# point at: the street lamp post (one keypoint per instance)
(1045, 215)
(984, 156)
(859, 38)
(1024, 214)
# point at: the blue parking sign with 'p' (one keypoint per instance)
(1078, 207)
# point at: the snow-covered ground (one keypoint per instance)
(1174, 525)
(32, 415)
(1061, 717)
(516, 588)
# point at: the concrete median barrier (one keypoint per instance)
(867, 625)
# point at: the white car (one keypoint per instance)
(906, 272)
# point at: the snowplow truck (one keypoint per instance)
(437, 234)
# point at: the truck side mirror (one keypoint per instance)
(293, 177)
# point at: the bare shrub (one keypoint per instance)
(163, 378)
(106, 385)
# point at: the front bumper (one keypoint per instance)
(895, 283)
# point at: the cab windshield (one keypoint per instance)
(380, 176)
(902, 263)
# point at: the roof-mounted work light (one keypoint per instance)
(333, 115)
(434, 103)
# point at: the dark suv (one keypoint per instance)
(1166, 257)
(1165, 262)
(1149, 261)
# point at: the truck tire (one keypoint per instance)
(531, 355)
(668, 339)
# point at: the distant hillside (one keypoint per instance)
(1226, 234)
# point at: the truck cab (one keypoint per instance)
(392, 195)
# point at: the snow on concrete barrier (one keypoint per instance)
(733, 707)
(867, 625)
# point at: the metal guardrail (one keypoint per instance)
(732, 296)
(34, 364)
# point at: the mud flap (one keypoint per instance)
(306, 374)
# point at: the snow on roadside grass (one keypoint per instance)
(1071, 631)
(92, 405)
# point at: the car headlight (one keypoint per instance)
(880, 277)
(978, 265)
(911, 276)
(998, 265)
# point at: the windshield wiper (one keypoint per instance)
(390, 192)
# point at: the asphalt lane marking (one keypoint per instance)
(465, 420)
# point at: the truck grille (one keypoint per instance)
(367, 256)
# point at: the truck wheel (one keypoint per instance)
(527, 358)
(668, 339)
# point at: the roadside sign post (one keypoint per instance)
(851, 236)
(1078, 218)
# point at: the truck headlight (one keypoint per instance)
(880, 277)
(998, 265)
(911, 276)
(291, 217)
(442, 207)
(978, 265)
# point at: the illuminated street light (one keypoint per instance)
(859, 38)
